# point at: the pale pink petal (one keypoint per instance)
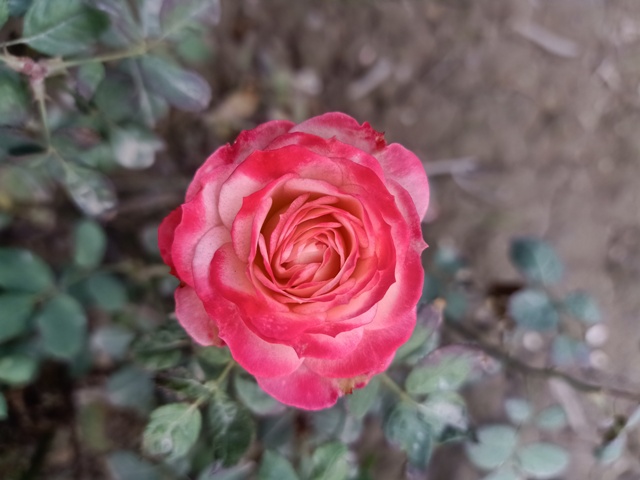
(326, 346)
(344, 128)
(404, 167)
(166, 232)
(194, 319)
(302, 389)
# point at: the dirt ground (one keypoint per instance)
(542, 97)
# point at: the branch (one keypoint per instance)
(546, 372)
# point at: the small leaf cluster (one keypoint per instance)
(536, 308)
(500, 449)
(83, 86)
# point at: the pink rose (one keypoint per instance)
(298, 247)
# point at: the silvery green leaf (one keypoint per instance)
(88, 77)
(552, 418)
(135, 147)
(495, 445)
(63, 27)
(4, 413)
(362, 399)
(232, 429)
(533, 310)
(330, 462)
(91, 191)
(407, 428)
(4, 12)
(254, 398)
(582, 306)
(543, 460)
(175, 15)
(182, 88)
(17, 8)
(21, 270)
(15, 310)
(536, 260)
(172, 430)
(62, 324)
(123, 28)
(112, 340)
(106, 291)
(89, 244)
(275, 467)
(518, 410)
(504, 473)
(446, 413)
(17, 369)
(425, 337)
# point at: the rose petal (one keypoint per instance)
(344, 128)
(194, 319)
(166, 232)
(302, 389)
(404, 167)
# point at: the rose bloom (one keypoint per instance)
(298, 247)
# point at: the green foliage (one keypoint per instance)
(132, 388)
(329, 462)
(254, 398)
(582, 306)
(17, 369)
(275, 467)
(4, 409)
(128, 466)
(533, 310)
(536, 260)
(14, 99)
(63, 27)
(542, 460)
(518, 410)
(362, 400)
(408, 428)
(15, 311)
(63, 327)
(4, 12)
(23, 271)
(495, 445)
(552, 418)
(232, 429)
(172, 430)
(90, 243)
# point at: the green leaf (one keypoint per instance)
(135, 147)
(186, 387)
(160, 349)
(254, 398)
(106, 291)
(182, 88)
(14, 99)
(611, 451)
(543, 460)
(123, 28)
(425, 337)
(568, 351)
(22, 270)
(4, 13)
(63, 327)
(446, 413)
(533, 310)
(152, 107)
(15, 310)
(17, 8)
(552, 418)
(496, 443)
(90, 243)
(582, 306)
(88, 76)
(362, 399)
(536, 260)
(192, 46)
(175, 15)
(447, 369)
(518, 410)
(330, 462)
(231, 427)
(172, 430)
(457, 304)
(275, 467)
(63, 27)
(4, 411)
(5, 220)
(91, 191)
(131, 387)
(17, 369)
(112, 340)
(409, 430)
(128, 466)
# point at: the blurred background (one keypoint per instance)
(526, 114)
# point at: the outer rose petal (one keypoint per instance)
(247, 142)
(194, 319)
(166, 232)
(404, 167)
(346, 129)
(302, 389)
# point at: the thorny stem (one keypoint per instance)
(545, 372)
(393, 386)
